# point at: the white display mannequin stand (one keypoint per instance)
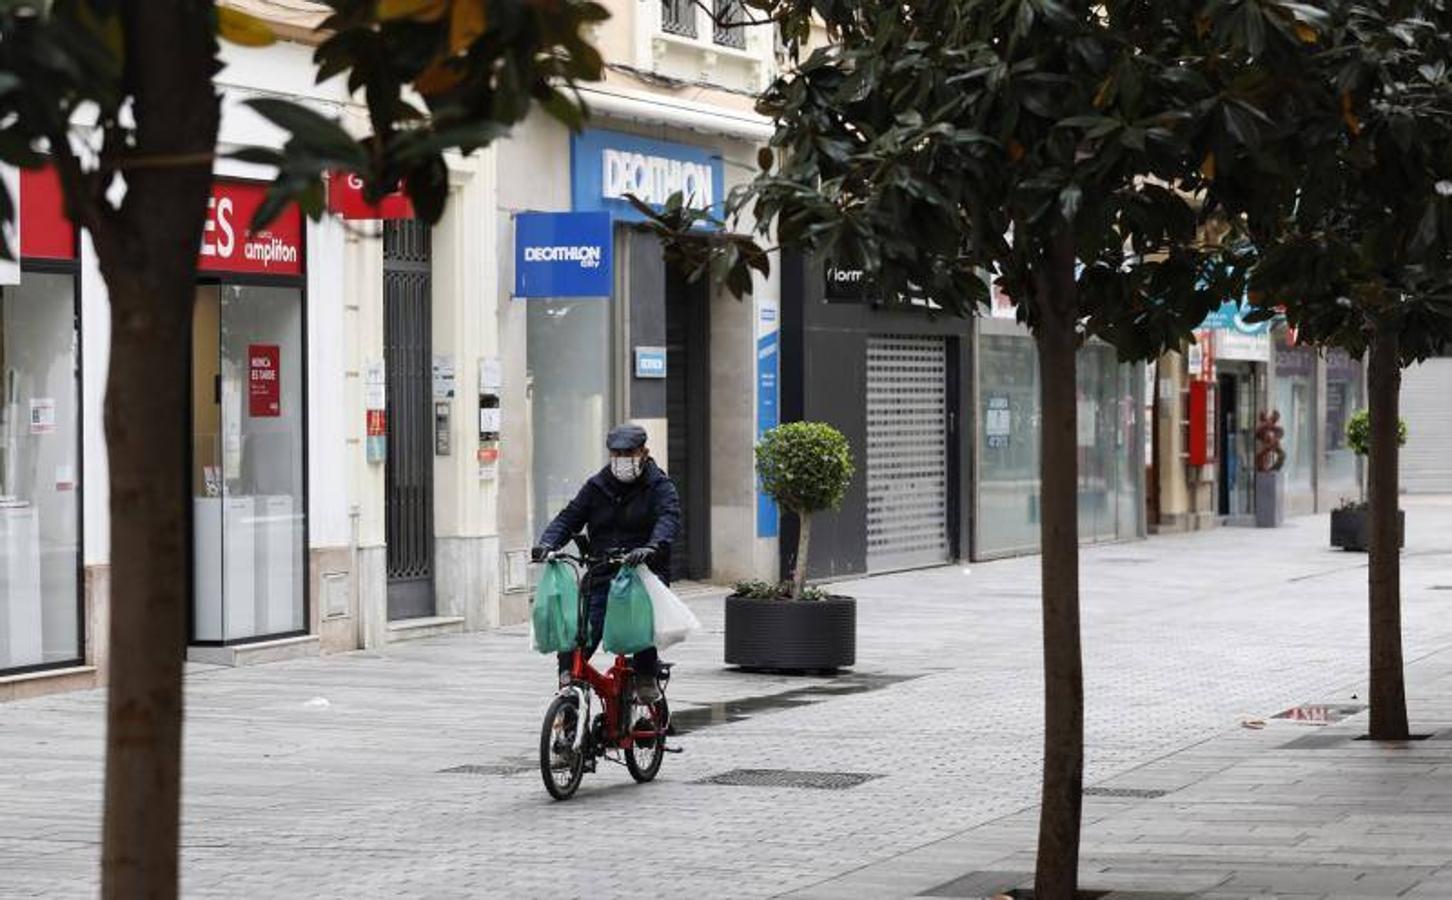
(226, 568)
(20, 609)
(276, 564)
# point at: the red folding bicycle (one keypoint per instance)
(624, 731)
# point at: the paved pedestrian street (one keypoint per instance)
(332, 777)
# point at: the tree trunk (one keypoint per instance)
(799, 570)
(1388, 689)
(148, 255)
(1058, 851)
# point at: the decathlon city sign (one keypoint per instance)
(563, 255)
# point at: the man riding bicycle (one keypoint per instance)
(631, 506)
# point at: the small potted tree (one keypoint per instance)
(806, 468)
(1349, 521)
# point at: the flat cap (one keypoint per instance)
(625, 437)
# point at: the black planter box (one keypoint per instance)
(1350, 529)
(791, 635)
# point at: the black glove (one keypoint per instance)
(639, 556)
(538, 553)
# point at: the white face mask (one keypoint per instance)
(626, 468)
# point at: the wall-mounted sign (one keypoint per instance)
(345, 197)
(844, 285)
(1235, 338)
(607, 166)
(42, 415)
(443, 377)
(563, 255)
(229, 244)
(375, 399)
(998, 420)
(650, 362)
(264, 380)
(768, 414)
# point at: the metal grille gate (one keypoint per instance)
(907, 452)
(408, 357)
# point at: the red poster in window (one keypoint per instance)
(264, 380)
(45, 232)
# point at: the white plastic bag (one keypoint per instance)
(674, 621)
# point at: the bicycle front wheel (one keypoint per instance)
(559, 763)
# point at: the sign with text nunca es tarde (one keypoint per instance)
(558, 255)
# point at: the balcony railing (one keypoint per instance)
(678, 17)
(727, 32)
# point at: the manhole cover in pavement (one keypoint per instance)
(1320, 713)
(1136, 793)
(787, 778)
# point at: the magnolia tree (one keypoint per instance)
(1076, 151)
(120, 97)
(1358, 252)
(806, 467)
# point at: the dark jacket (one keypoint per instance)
(623, 516)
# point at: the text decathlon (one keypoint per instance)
(652, 179)
(589, 256)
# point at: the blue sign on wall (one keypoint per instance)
(608, 165)
(563, 255)
(650, 362)
(1231, 317)
(767, 416)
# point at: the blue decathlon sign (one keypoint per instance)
(606, 166)
(563, 255)
(768, 415)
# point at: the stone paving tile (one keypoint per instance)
(285, 799)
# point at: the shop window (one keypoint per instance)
(247, 470)
(40, 621)
(569, 374)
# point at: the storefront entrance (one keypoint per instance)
(688, 417)
(249, 420)
(1236, 440)
(907, 452)
(408, 360)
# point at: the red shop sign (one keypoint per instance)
(45, 232)
(345, 197)
(264, 380)
(228, 245)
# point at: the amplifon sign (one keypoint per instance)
(228, 243)
(606, 166)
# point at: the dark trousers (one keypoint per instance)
(642, 663)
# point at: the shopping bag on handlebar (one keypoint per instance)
(629, 619)
(555, 619)
(674, 620)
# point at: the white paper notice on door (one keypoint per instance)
(42, 415)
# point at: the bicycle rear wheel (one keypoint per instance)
(647, 750)
(559, 764)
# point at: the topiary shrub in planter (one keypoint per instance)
(1349, 521)
(806, 468)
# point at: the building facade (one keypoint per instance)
(380, 428)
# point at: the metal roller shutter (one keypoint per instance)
(1427, 408)
(907, 452)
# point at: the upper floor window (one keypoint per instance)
(679, 17)
(729, 33)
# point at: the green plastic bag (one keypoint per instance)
(556, 615)
(629, 617)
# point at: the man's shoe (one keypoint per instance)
(565, 679)
(647, 691)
